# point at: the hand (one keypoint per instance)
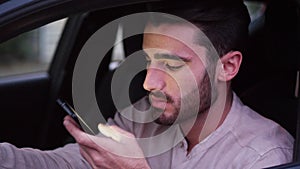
(118, 150)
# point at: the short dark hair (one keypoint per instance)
(224, 22)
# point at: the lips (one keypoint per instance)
(157, 102)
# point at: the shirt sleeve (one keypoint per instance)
(67, 157)
(273, 158)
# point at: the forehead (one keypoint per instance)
(177, 39)
(178, 30)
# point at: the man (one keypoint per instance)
(199, 121)
(223, 133)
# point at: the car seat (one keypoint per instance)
(269, 78)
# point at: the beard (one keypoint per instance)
(188, 106)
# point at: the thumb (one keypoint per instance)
(109, 132)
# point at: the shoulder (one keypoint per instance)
(259, 133)
(272, 157)
(267, 141)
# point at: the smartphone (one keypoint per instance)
(70, 111)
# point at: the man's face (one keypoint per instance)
(176, 74)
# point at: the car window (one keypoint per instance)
(118, 53)
(31, 51)
(256, 9)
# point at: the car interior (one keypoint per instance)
(268, 80)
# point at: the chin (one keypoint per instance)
(166, 120)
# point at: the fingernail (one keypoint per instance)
(66, 122)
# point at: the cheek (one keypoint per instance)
(190, 80)
(182, 84)
(172, 86)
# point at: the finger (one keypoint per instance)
(125, 148)
(87, 140)
(121, 131)
(69, 118)
(109, 132)
(81, 137)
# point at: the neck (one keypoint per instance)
(207, 122)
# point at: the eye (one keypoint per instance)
(147, 59)
(174, 66)
(148, 62)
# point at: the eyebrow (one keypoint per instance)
(170, 56)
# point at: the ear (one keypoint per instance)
(229, 65)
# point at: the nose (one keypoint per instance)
(154, 80)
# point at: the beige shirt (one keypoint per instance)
(245, 140)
